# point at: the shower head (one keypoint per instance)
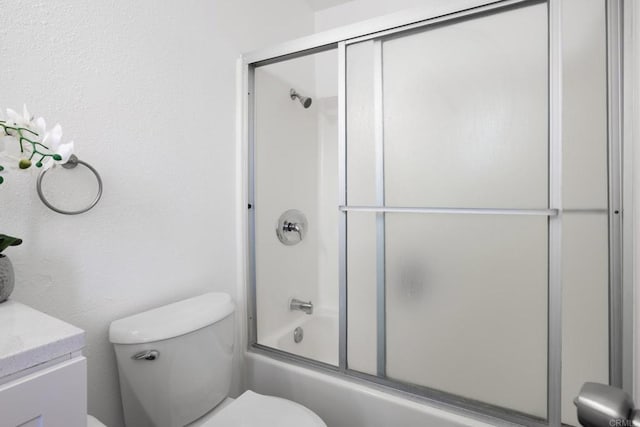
(304, 100)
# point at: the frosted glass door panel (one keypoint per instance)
(585, 256)
(361, 291)
(584, 109)
(283, 126)
(466, 308)
(296, 167)
(361, 125)
(585, 305)
(466, 113)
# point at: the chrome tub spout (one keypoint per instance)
(306, 306)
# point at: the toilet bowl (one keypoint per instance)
(174, 364)
(253, 409)
(93, 422)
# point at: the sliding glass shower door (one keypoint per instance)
(294, 199)
(451, 239)
(448, 208)
(461, 209)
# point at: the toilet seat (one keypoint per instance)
(253, 409)
(93, 422)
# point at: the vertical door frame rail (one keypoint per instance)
(375, 29)
(554, 324)
(342, 199)
(614, 147)
(381, 297)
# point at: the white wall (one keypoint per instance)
(146, 89)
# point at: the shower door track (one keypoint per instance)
(620, 361)
(461, 211)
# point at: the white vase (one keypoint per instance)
(7, 278)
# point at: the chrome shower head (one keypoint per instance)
(304, 100)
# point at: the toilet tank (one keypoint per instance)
(174, 362)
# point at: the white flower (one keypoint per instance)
(41, 126)
(65, 150)
(18, 120)
(35, 129)
(10, 153)
(53, 139)
(32, 142)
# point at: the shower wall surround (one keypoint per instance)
(296, 168)
(121, 75)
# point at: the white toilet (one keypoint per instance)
(174, 364)
(93, 422)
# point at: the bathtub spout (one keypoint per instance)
(305, 306)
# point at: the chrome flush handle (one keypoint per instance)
(146, 355)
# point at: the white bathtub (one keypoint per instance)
(338, 400)
(320, 341)
(342, 402)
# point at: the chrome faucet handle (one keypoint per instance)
(291, 228)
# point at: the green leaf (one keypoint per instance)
(6, 241)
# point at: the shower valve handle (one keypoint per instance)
(292, 226)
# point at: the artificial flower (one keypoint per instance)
(25, 140)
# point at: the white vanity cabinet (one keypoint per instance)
(43, 375)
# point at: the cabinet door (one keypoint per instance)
(53, 397)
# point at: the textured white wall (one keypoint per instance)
(146, 89)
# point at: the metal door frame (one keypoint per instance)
(619, 321)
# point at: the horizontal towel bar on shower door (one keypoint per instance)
(465, 211)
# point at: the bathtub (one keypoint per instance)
(344, 402)
(340, 400)
(320, 337)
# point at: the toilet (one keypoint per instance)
(174, 364)
(93, 422)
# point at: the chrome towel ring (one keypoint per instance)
(70, 164)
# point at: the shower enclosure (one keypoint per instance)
(434, 205)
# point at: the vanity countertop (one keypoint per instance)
(29, 337)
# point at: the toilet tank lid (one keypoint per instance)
(171, 320)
